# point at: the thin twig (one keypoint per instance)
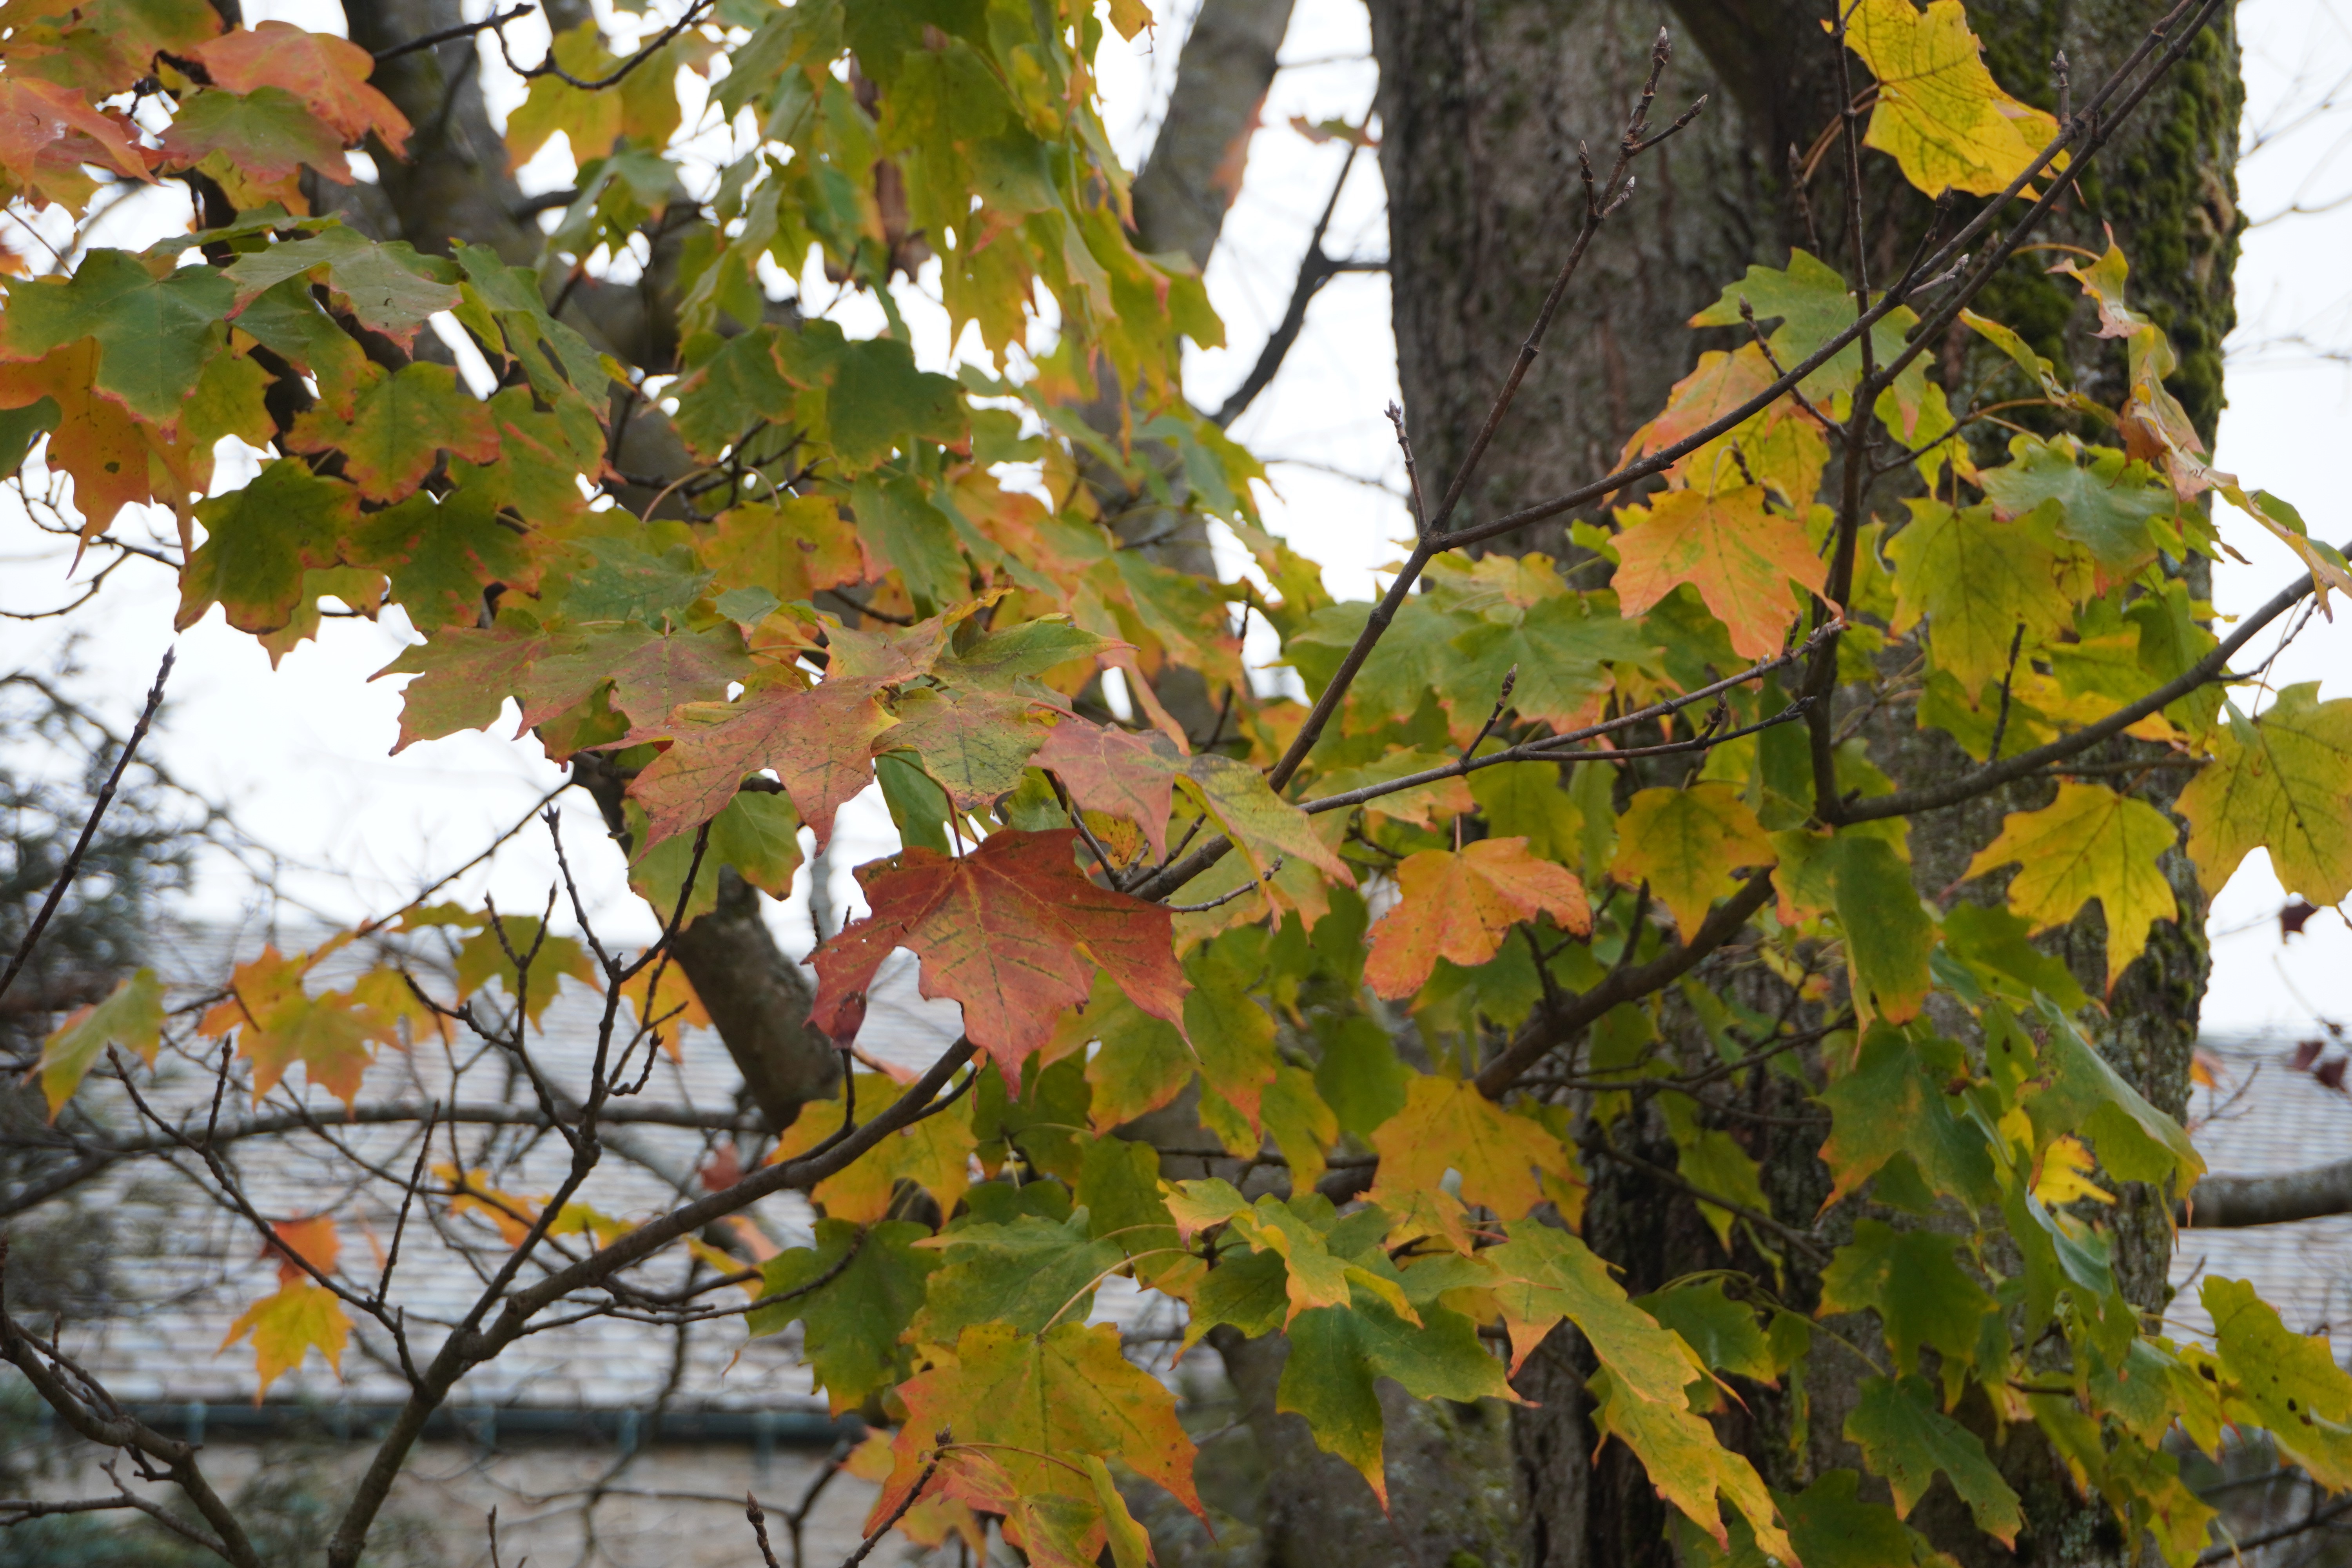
(89, 828)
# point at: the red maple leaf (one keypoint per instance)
(1013, 931)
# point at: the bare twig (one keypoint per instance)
(89, 828)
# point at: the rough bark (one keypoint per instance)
(1482, 105)
(1194, 170)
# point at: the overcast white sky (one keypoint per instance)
(301, 752)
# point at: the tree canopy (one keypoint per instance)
(1404, 951)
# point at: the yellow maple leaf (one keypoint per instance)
(1939, 111)
(1446, 1124)
(2067, 1174)
(287, 1325)
(2089, 843)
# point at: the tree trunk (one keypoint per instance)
(1482, 106)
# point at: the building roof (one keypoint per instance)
(202, 1264)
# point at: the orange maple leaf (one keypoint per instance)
(1740, 557)
(1459, 906)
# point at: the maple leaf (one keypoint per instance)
(48, 131)
(1030, 1274)
(330, 74)
(278, 1023)
(817, 740)
(1686, 844)
(1446, 1124)
(132, 1015)
(314, 1241)
(399, 425)
(1019, 1398)
(1921, 1294)
(1948, 123)
(857, 1290)
(2287, 1383)
(1562, 648)
(1813, 302)
(153, 333)
(2089, 843)
(1976, 581)
(934, 1155)
(285, 1327)
(1740, 557)
(1461, 905)
(260, 540)
(440, 554)
(2281, 782)
(794, 548)
(1890, 938)
(1337, 1354)
(1547, 1275)
(388, 286)
(1007, 931)
(1116, 772)
(1906, 1439)
(1889, 1104)
(1688, 1465)
(2105, 505)
(268, 136)
(974, 744)
(94, 438)
(757, 835)
(485, 956)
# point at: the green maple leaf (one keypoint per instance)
(1889, 1104)
(286, 320)
(905, 533)
(2079, 1092)
(398, 427)
(880, 402)
(2090, 842)
(153, 333)
(260, 541)
(2285, 1383)
(1832, 1527)
(1813, 303)
(1562, 648)
(1030, 1274)
(1142, 1062)
(1921, 1294)
(131, 1016)
(1723, 1333)
(857, 1291)
(1890, 938)
(483, 958)
(1906, 1439)
(267, 135)
(2106, 505)
(1338, 1353)
(387, 286)
(1976, 580)
(441, 554)
(758, 835)
(2281, 782)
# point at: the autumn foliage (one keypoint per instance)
(1413, 944)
